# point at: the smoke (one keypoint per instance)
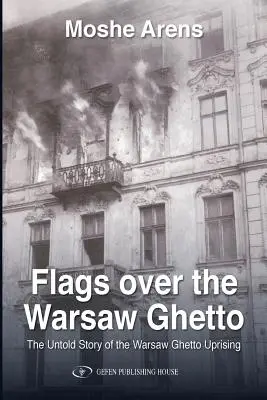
(27, 130)
(84, 119)
(146, 93)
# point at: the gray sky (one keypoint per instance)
(16, 12)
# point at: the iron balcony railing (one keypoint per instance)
(107, 171)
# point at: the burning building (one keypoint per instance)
(139, 155)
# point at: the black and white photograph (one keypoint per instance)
(134, 184)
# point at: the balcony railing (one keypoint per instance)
(89, 175)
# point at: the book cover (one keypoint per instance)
(134, 199)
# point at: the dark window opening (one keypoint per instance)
(212, 42)
(228, 364)
(34, 365)
(94, 249)
(93, 239)
(40, 254)
(40, 242)
(92, 357)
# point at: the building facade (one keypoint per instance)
(148, 157)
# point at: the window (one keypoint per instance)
(34, 358)
(154, 359)
(153, 236)
(261, 15)
(4, 162)
(46, 117)
(214, 121)
(264, 104)
(227, 364)
(92, 357)
(220, 228)
(212, 42)
(40, 242)
(93, 239)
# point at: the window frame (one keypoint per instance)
(202, 258)
(154, 228)
(85, 237)
(38, 243)
(218, 219)
(213, 116)
(151, 195)
(208, 17)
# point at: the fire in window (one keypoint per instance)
(220, 228)
(40, 243)
(153, 236)
(214, 121)
(93, 239)
(212, 42)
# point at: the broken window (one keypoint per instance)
(153, 236)
(93, 239)
(212, 42)
(264, 104)
(40, 243)
(220, 228)
(34, 365)
(214, 121)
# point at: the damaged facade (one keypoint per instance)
(148, 156)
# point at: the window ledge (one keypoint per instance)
(152, 270)
(256, 43)
(24, 283)
(263, 287)
(223, 263)
(225, 56)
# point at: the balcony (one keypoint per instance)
(112, 271)
(97, 176)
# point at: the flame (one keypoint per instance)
(145, 90)
(26, 129)
(86, 118)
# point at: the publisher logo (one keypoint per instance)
(82, 372)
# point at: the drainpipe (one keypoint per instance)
(250, 319)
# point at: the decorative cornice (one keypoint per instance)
(216, 185)
(210, 78)
(255, 68)
(263, 180)
(39, 214)
(256, 43)
(225, 57)
(151, 195)
(31, 300)
(90, 204)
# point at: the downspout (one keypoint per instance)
(250, 319)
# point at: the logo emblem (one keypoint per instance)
(82, 372)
